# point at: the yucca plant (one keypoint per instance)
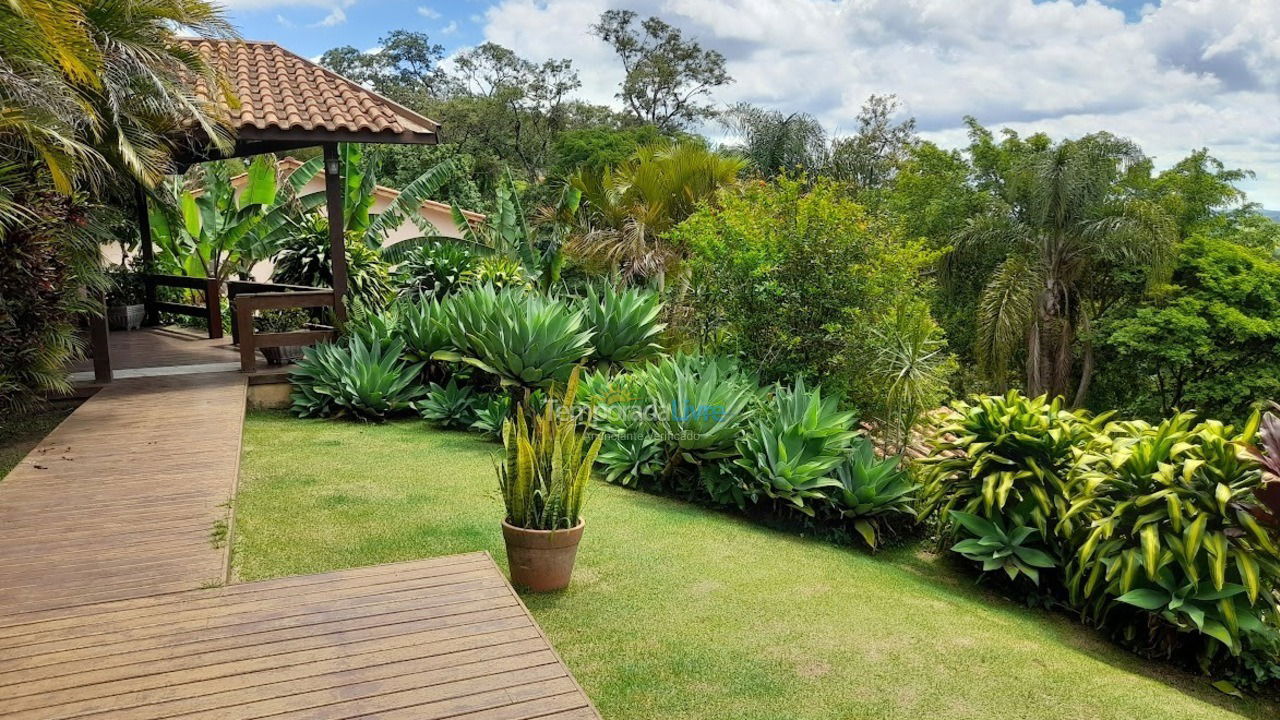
(547, 466)
(362, 380)
(701, 406)
(1173, 516)
(525, 339)
(625, 322)
(490, 412)
(448, 406)
(872, 492)
(1009, 457)
(792, 448)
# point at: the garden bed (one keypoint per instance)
(681, 612)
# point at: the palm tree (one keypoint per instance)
(1064, 218)
(627, 209)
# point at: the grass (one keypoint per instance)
(18, 435)
(679, 612)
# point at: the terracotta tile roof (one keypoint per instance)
(280, 91)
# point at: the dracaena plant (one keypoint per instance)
(526, 340)
(1008, 457)
(359, 379)
(794, 445)
(1173, 511)
(547, 464)
(873, 493)
(625, 322)
(1011, 549)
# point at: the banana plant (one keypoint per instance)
(214, 231)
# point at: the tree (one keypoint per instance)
(775, 143)
(667, 76)
(1208, 341)
(629, 208)
(595, 148)
(1060, 219)
(870, 157)
(405, 67)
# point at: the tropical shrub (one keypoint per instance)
(873, 494)
(450, 406)
(625, 323)
(524, 339)
(795, 442)
(547, 466)
(364, 380)
(126, 286)
(490, 412)
(1174, 533)
(303, 259)
(434, 270)
(499, 271)
(795, 279)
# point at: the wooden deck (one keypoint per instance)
(439, 638)
(108, 604)
(122, 498)
(162, 351)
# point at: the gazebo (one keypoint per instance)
(286, 102)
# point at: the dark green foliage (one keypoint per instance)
(434, 270)
(449, 407)
(126, 286)
(490, 412)
(358, 380)
(702, 404)
(1209, 341)
(1012, 550)
(304, 260)
(280, 321)
(597, 148)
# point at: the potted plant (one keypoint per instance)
(543, 478)
(280, 321)
(126, 307)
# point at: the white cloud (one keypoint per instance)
(450, 29)
(336, 16)
(1183, 74)
(428, 13)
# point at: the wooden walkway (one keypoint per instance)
(107, 537)
(123, 498)
(439, 638)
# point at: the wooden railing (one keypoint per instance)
(211, 311)
(248, 297)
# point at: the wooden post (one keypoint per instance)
(337, 236)
(213, 306)
(248, 349)
(148, 253)
(99, 340)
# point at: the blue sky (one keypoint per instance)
(1174, 75)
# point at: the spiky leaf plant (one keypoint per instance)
(547, 465)
(490, 412)
(359, 379)
(625, 322)
(434, 270)
(872, 493)
(526, 340)
(795, 443)
(450, 406)
(701, 404)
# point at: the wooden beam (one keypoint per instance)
(337, 237)
(99, 340)
(152, 316)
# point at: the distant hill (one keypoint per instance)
(1273, 214)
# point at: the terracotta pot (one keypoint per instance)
(541, 560)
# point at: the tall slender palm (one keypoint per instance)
(1065, 218)
(627, 209)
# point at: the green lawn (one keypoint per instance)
(679, 612)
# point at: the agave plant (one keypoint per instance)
(625, 323)
(448, 406)
(424, 326)
(702, 404)
(630, 459)
(547, 466)
(1174, 508)
(434, 270)
(363, 380)
(490, 412)
(526, 340)
(872, 492)
(792, 449)
(1012, 457)
(999, 547)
